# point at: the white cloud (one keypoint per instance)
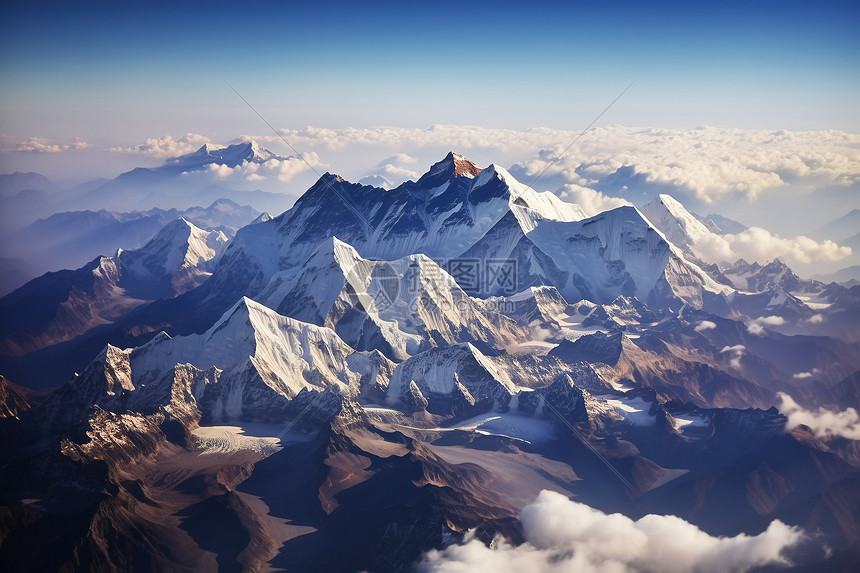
(564, 535)
(286, 169)
(735, 352)
(705, 325)
(752, 244)
(452, 137)
(283, 169)
(825, 423)
(802, 375)
(713, 162)
(397, 159)
(709, 162)
(591, 201)
(42, 145)
(757, 244)
(221, 171)
(756, 327)
(167, 146)
(815, 319)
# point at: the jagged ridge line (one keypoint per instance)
(312, 168)
(516, 196)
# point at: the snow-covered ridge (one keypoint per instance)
(487, 216)
(182, 244)
(398, 305)
(229, 155)
(287, 354)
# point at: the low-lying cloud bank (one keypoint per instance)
(564, 535)
(709, 162)
(43, 145)
(166, 146)
(825, 423)
(757, 244)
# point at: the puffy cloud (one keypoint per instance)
(735, 353)
(564, 535)
(825, 423)
(287, 168)
(221, 171)
(398, 159)
(167, 146)
(712, 162)
(802, 375)
(705, 325)
(452, 137)
(757, 244)
(756, 327)
(815, 319)
(591, 201)
(283, 169)
(42, 145)
(707, 162)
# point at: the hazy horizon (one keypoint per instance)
(746, 110)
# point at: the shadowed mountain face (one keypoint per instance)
(377, 374)
(68, 240)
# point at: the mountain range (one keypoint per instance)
(68, 239)
(377, 373)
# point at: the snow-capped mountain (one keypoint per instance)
(401, 307)
(449, 380)
(179, 258)
(191, 179)
(458, 213)
(377, 373)
(68, 240)
(208, 154)
(181, 251)
(679, 226)
(598, 259)
(262, 360)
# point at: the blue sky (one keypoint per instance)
(121, 71)
(96, 89)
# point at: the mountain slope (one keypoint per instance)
(182, 181)
(401, 307)
(68, 240)
(457, 211)
(60, 306)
